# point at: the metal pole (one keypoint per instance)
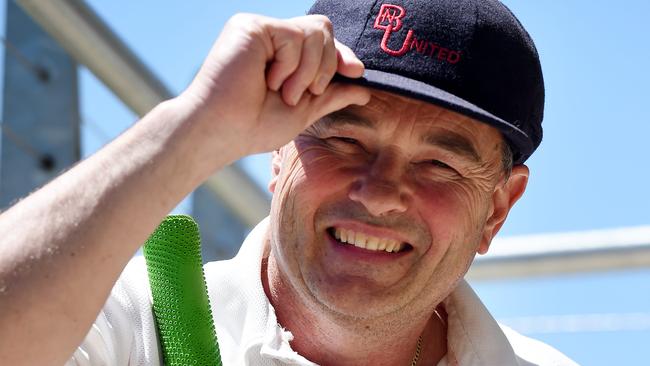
(554, 254)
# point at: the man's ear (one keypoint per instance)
(276, 163)
(503, 198)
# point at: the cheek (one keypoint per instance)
(309, 176)
(321, 172)
(453, 210)
(454, 215)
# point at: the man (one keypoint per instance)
(385, 185)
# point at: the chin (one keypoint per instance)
(353, 301)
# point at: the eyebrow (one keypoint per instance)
(454, 143)
(447, 140)
(342, 118)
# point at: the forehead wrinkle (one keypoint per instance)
(448, 139)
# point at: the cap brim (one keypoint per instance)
(418, 90)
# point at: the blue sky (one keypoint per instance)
(589, 173)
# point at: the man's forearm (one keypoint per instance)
(66, 244)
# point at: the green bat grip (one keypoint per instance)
(180, 300)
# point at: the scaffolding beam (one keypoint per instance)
(563, 253)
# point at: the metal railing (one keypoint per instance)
(552, 254)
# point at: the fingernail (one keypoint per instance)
(294, 98)
(321, 83)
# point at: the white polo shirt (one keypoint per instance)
(247, 329)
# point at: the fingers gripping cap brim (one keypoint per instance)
(519, 141)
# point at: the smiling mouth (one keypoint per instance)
(368, 242)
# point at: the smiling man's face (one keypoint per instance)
(380, 209)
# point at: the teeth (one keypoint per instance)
(360, 240)
(372, 243)
(365, 241)
(390, 245)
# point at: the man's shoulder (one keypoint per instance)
(228, 283)
(530, 351)
(132, 287)
(124, 331)
(222, 271)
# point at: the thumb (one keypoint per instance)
(337, 96)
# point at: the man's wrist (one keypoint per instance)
(200, 128)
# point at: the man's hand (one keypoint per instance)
(265, 80)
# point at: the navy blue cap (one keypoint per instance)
(470, 56)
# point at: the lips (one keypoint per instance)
(366, 241)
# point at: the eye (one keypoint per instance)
(347, 140)
(435, 166)
(438, 163)
(345, 143)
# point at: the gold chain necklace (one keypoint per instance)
(418, 350)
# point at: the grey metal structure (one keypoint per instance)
(40, 122)
(560, 253)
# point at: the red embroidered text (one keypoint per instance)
(389, 20)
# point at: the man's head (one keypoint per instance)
(380, 209)
(400, 174)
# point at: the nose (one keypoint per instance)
(381, 188)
